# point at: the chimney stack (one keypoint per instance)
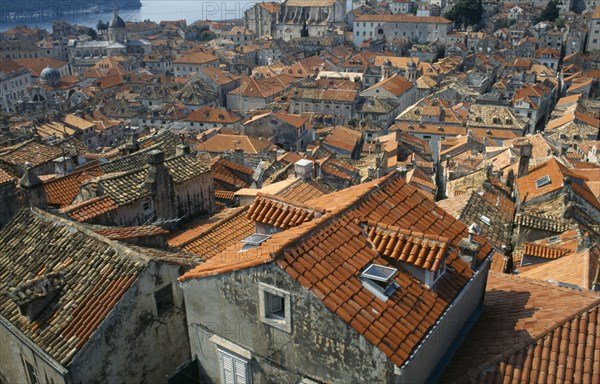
(303, 169)
(160, 184)
(32, 188)
(468, 247)
(524, 149)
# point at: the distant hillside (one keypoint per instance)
(19, 9)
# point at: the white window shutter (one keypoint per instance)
(240, 371)
(227, 365)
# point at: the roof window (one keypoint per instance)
(486, 220)
(380, 280)
(553, 239)
(542, 181)
(253, 241)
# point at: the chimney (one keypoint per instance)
(238, 156)
(159, 183)
(377, 147)
(303, 169)
(402, 170)
(524, 150)
(63, 165)
(468, 247)
(183, 150)
(32, 188)
(132, 143)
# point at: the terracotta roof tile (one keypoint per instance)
(576, 268)
(327, 254)
(222, 142)
(303, 191)
(421, 250)
(88, 209)
(544, 251)
(63, 190)
(209, 240)
(279, 213)
(519, 328)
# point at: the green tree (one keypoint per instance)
(101, 26)
(92, 33)
(465, 12)
(551, 12)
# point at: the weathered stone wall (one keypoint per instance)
(320, 346)
(135, 344)
(9, 202)
(15, 352)
(195, 196)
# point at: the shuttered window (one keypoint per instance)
(234, 369)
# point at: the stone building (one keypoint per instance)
(9, 197)
(420, 29)
(320, 295)
(80, 308)
(162, 192)
(293, 19)
(290, 132)
(14, 81)
(262, 18)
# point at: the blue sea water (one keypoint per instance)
(154, 10)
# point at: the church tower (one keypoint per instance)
(117, 30)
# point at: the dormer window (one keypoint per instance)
(379, 280)
(542, 181)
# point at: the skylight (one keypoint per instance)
(253, 241)
(379, 280)
(542, 181)
(486, 220)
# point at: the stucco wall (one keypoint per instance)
(320, 345)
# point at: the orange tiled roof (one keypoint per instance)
(279, 213)
(302, 191)
(576, 268)
(544, 251)
(221, 142)
(88, 209)
(526, 185)
(326, 255)
(530, 331)
(63, 190)
(421, 250)
(210, 240)
(396, 85)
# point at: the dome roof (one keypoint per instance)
(50, 76)
(116, 21)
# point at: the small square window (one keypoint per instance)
(164, 299)
(275, 307)
(147, 206)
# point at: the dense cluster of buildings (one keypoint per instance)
(311, 194)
